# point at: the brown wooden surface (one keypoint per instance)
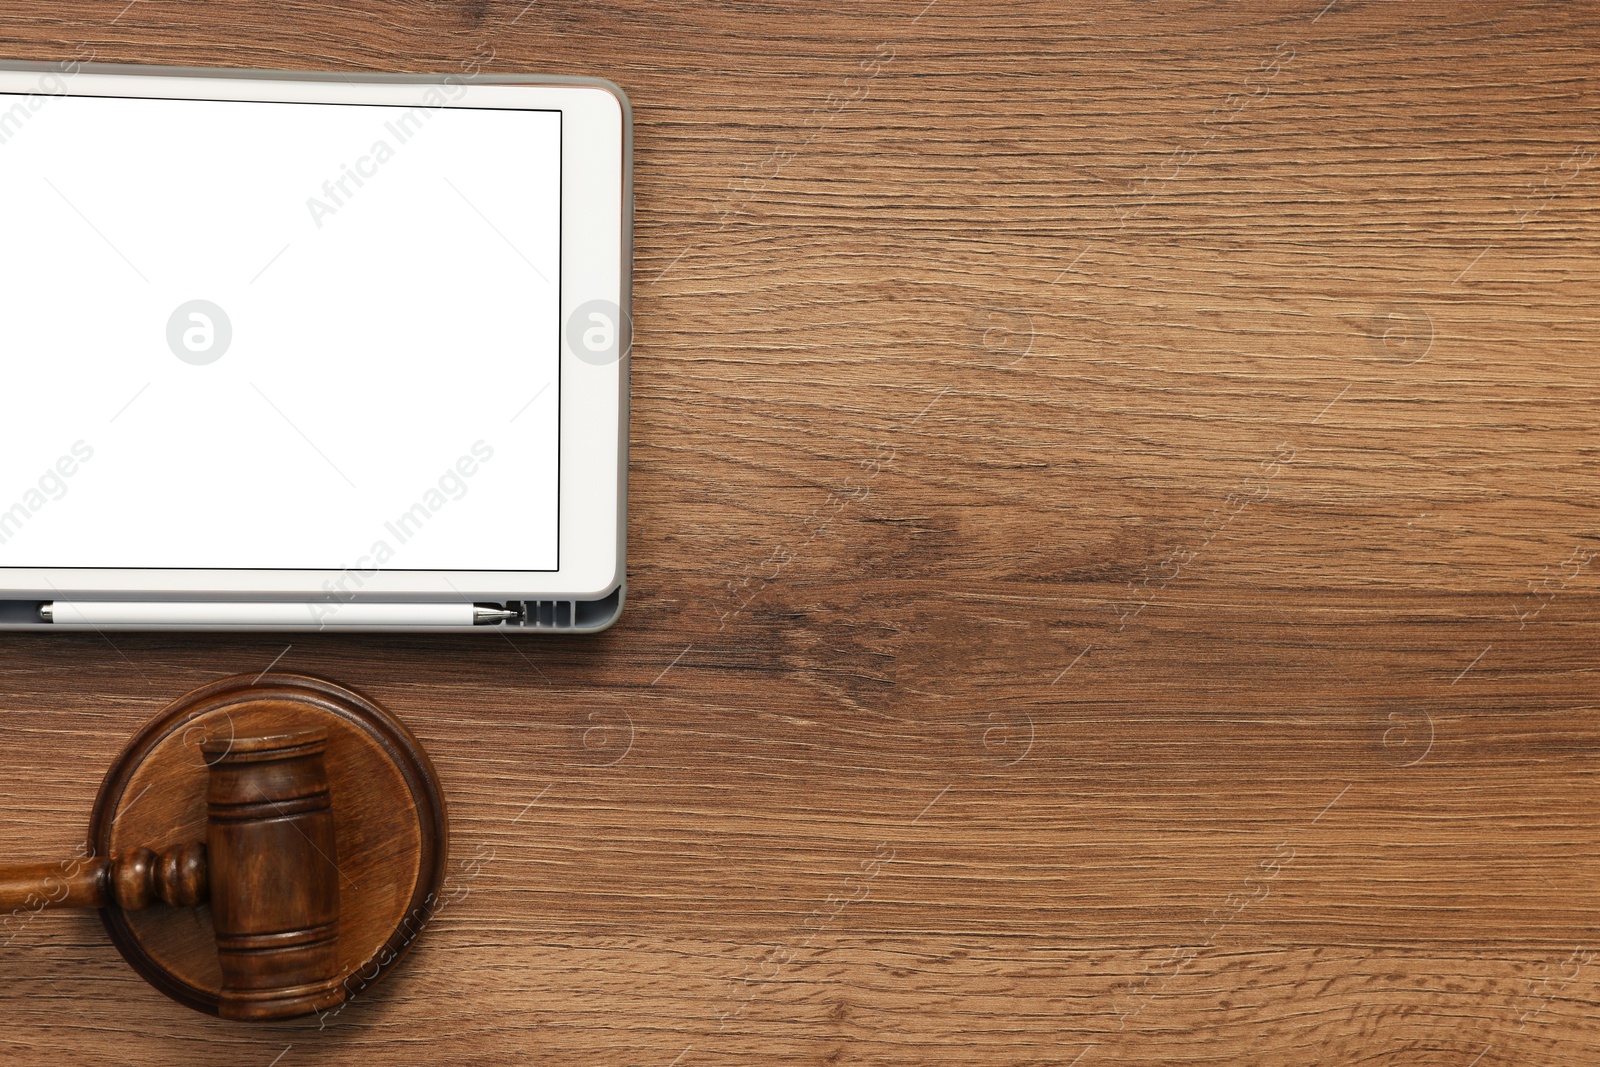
(1111, 538)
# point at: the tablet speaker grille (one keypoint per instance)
(544, 614)
(557, 615)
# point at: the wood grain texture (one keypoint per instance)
(1112, 557)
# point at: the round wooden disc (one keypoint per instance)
(389, 820)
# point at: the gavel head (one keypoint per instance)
(274, 875)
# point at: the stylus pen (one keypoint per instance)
(302, 615)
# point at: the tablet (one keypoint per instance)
(307, 351)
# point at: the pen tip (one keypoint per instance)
(482, 615)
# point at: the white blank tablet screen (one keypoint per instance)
(370, 381)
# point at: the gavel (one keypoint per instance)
(268, 867)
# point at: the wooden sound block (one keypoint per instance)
(389, 825)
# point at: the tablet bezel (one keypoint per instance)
(596, 258)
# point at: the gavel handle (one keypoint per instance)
(134, 880)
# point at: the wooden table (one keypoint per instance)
(1112, 547)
